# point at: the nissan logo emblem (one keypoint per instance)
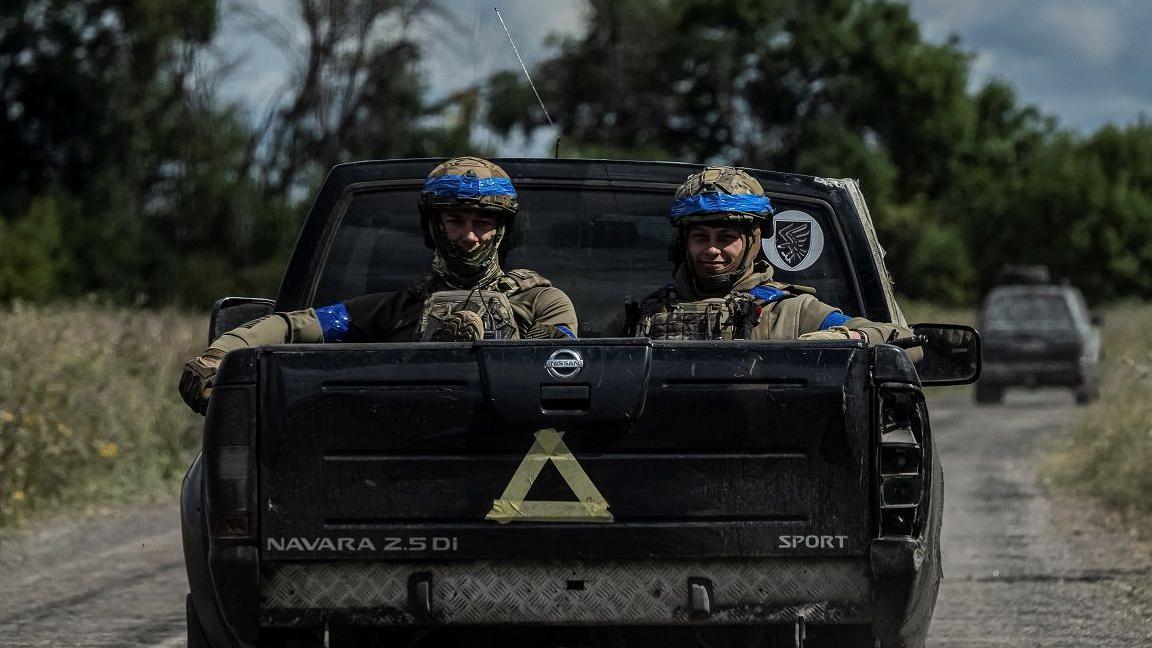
(564, 364)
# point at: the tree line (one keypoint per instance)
(125, 174)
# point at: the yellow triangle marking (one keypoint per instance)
(549, 446)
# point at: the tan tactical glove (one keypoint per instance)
(196, 381)
(461, 326)
(834, 333)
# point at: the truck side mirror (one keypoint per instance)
(230, 312)
(951, 354)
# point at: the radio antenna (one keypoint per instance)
(556, 151)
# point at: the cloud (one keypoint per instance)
(1083, 61)
(1087, 32)
(471, 45)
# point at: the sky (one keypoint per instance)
(1085, 62)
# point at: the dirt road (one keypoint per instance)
(1020, 568)
(113, 579)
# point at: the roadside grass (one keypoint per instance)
(918, 312)
(1108, 453)
(89, 412)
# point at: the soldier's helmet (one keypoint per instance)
(469, 183)
(721, 194)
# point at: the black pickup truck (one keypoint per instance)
(599, 491)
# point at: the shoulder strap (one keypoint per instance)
(659, 299)
(746, 313)
(518, 281)
(423, 285)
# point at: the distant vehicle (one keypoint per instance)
(689, 492)
(1025, 274)
(1038, 334)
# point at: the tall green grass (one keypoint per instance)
(918, 312)
(89, 412)
(1108, 453)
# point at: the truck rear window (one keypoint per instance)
(601, 245)
(1027, 312)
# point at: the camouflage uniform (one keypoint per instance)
(465, 296)
(741, 302)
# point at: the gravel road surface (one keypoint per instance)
(1021, 569)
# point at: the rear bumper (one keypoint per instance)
(1033, 373)
(763, 591)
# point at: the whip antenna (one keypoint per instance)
(529, 77)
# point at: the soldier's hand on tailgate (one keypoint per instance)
(196, 381)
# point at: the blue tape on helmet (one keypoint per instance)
(719, 203)
(462, 186)
(334, 321)
(835, 318)
(768, 293)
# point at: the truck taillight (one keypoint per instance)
(229, 467)
(229, 513)
(901, 461)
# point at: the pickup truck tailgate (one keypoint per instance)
(696, 450)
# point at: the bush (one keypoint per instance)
(1108, 453)
(89, 411)
(28, 246)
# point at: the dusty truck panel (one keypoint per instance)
(791, 463)
(625, 486)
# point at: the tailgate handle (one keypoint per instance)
(420, 594)
(700, 596)
(565, 398)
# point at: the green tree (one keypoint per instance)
(29, 246)
(357, 92)
(94, 94)
(161, 192)
(961, 183)
(837, 88)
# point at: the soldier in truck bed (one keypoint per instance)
(466, 208)
(722, 286)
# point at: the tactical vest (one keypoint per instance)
(732, 317)
(502, 321)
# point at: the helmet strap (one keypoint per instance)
(721, 284)
(462, 269)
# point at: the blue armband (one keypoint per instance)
(835, 318)
(566, 331)
(334, 321)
